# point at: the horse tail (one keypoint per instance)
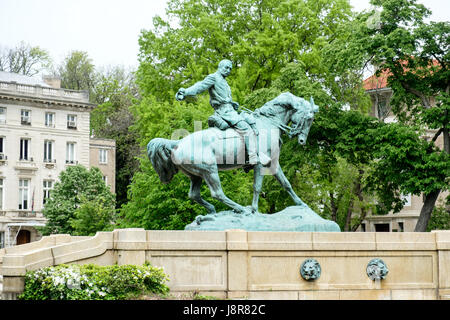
(159, 152)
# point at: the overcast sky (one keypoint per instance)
(107, 29)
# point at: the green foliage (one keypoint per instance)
(261, 37)
(406, 164)
(73, 198)
(115, 92)
(93, 282)
(397, 39)
(77, 71)
(24, 59)
(440, 218)
(92, 216)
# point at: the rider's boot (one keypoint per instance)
(253, 158)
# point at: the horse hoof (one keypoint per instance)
(241, 211)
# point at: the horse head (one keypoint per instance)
(302, 119)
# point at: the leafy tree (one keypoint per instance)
(414, 55)
(406, 164)
(77, 71)
(24, 59)
(440, 218)
(260, 37)
(115, 91)
(73, 197)
(93, 215)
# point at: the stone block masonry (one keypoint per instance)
(237, 264)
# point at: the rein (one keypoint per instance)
(283, 127)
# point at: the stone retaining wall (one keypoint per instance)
(254, 265)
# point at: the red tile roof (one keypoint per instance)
(374, 82)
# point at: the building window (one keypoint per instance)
(2, 239)
(2, 115)
(50, 119)
(383, 109)
(25, 117)
(48, 151)
(1, 194)
(48, 186)
(71, 121)
(103, 156)
(382, 227)
(105, 179)
(407, 199)
(24, 190)
(2, 148)
(24, 149)
(70, 152)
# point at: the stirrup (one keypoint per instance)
(264, 159)
(253, 159)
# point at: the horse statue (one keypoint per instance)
(202, 154)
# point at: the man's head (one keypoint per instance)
(225, 67)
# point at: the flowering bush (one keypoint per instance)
(92, 282)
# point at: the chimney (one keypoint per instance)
(53, 81)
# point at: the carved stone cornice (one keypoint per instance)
(48, 101)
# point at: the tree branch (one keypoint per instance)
(437, 134)
(425, 101)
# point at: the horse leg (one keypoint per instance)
(257, 186)
(279, 175)
(194, 194)
(213, 181)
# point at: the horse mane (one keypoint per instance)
(286, 99)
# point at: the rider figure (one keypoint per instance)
(225, 114)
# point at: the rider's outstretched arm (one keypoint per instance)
(200, 86)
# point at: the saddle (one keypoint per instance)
(218, 122)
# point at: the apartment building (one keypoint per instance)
(43, 130)
(102, 154)
(406, 219)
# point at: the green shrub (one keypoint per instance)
(440, 217)
(93, 282)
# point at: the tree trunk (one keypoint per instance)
(333, 207)
(427, 209)
(430, 199)
(361, 199)
(348, 219)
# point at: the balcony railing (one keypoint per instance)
(43, 92)
(49, 163)
(26, 164)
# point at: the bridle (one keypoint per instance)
(296, 129)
